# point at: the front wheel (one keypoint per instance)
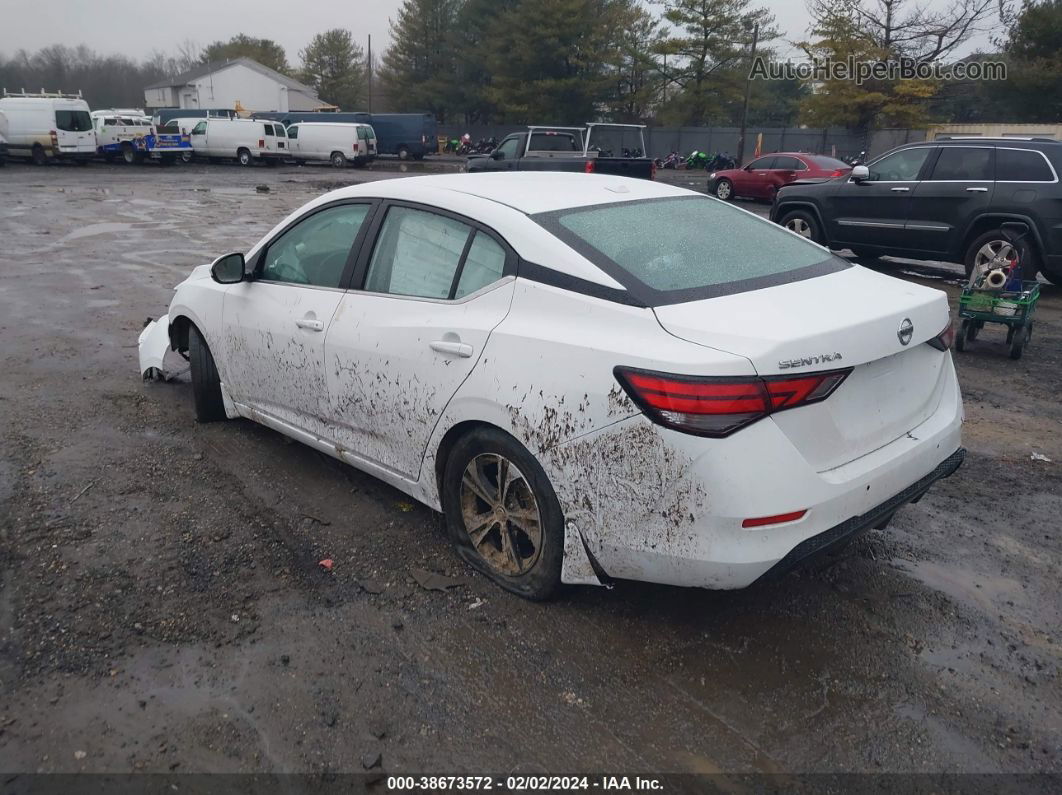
(804, 224)
(724, 189)
(206, 383)
(502, 513)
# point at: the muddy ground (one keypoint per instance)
(162, 608)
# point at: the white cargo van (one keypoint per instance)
(47, 127)
(3, 139)
(246, 140)
(336, 142)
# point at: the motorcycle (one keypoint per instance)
(697, 159)
(671, 161)
(721, 161)
(857, 160)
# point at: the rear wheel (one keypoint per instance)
(502, 513)
(803, 223)
(724, 189)
(128, 153)
(993, 245)
(338, 159)
(403, 153)
(38, 155)
(243, 156)
(186, 157)
(206, 384)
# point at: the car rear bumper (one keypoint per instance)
(678, 518)
(838, 536)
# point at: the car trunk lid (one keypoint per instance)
(849, 319)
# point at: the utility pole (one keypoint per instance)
(369, 61)
(748, 89)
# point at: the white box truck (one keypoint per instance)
(46, 127)
(245, 140)
(334, 142)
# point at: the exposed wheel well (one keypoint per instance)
(179, 329)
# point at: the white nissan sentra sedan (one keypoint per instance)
(591, 377)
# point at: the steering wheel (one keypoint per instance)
(289, 273)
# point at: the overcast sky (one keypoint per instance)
(136, 27)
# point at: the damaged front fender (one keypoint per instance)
(153, 343)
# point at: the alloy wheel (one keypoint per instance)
(500, 514)
(800, 226)
(722, 190)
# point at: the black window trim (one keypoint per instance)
(356, 283)
(642, 294)
(1043, 155)
(254, 267)
(926, 168)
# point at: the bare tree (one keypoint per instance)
(908, 28)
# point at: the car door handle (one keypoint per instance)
(462, 349)
(312, 325)
(899, 190)
(977, 190)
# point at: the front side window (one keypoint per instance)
(293, 131)
(199, 129)
(899, 166)
(963, 163)
(1022, 165)
(783, 163)
(73, 120)
(507, 149)
(417, 254)
(315, 250)
(672, 250)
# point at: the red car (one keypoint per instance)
(762, 178)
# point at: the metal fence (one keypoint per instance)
(659, 141)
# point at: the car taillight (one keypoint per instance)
(719, 406)
(838, 173)
(944, 339)
(261, 143)
(589, 169)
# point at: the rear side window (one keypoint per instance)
(268, 129)
(762, 164)
(962, 163)
(783, 163)
(416, 254)
(687, 248)
(1022, 165)
(73, 120)
(484, 265)
(365, 133)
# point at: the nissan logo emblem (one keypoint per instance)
(906, 331)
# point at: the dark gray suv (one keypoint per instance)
(943, 200)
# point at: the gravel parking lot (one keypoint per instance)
(162, 608)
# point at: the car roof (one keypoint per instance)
(528, 192)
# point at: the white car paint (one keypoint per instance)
(58, 126)
(319, 141)
(639, 500)
(218, 137)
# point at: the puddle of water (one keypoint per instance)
(984, 592)
(96, 229)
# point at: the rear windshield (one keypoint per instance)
(366, 133)
(667, 251)
(73, 120)
(553, 142)
(826, 162)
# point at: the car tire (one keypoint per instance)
(525, 557)
(206, 383)
(724, 190)
(186, 157)
(38, 155)
(1030, 262)
(243, 157)
(128, 154)
(338, 160)
(403, 153)
(802, 223)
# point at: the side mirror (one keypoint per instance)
(228, 269)
(1014, 231)
(860, 173)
